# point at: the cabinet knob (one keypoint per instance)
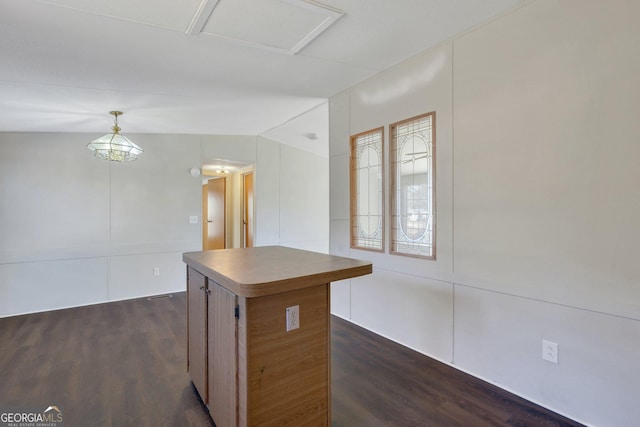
(201, 287)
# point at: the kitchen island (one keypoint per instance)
(259, 333)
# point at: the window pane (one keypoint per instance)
(367, 215)
(412, 171)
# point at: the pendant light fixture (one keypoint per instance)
(115, 147)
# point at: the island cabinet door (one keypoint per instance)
(222, 349)
(197, 336)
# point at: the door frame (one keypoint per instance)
(246, 171)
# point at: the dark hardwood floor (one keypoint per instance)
(124, 364)
(376, 382)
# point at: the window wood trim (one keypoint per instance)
(353, 191)
(393, 160)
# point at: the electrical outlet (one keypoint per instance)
(156, 271)
(293, 317)
(550, 351)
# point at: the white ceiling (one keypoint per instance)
(64, 64)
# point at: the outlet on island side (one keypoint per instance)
(293, 317)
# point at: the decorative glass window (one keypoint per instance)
(412, 186)
(367, 201)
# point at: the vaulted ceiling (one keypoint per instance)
(205, 66)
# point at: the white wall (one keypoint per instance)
(382, 100)
(538, 211)
(75, 230)
(292, 197)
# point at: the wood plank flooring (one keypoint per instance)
(117, 364)
(376, 382)
(124, 364)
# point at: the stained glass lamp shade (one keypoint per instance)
(114, 146)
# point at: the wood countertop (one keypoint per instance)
(266, 270)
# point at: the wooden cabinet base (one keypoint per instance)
(287, 373)
(256, 372)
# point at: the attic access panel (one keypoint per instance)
(282, 25)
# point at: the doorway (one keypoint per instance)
(247, 217)
(213, 213)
